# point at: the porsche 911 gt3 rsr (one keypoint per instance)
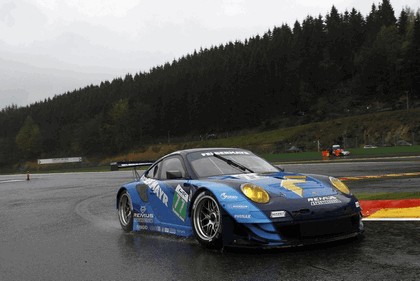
(231, 197)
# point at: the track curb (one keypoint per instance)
(406, 209)
(413, 174)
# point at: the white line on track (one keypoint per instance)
(8, 181)
(391, 219)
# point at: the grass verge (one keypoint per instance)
(387, 195)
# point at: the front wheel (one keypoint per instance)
(207, 220)
(125, 212)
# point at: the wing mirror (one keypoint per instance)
(174, 174)
(281, 168)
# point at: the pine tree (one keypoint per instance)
(402, 23)
(386, 14)
(413, 58)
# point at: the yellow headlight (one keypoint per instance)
(340, 185)
(255, 193)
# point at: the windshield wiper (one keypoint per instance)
(233, 163)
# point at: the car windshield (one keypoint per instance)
(207, 164)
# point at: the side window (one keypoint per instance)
(172, 164)
(153, 172)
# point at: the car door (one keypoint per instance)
(169, 191)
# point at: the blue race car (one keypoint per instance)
(231, 197)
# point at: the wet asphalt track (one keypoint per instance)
(65, 227)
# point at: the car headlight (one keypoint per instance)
(255, 193)
(340, 185)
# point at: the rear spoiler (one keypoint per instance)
(129, 164)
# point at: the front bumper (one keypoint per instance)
(298, 232)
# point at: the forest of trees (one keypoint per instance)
(322, 67)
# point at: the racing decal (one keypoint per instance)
(225, 153)
(179, 204)
(296, 177)
(277, 214)
(143, 227)
(248, 176)
(143, 217)
(163, 229)
(242, 216)
(225, 196)
(291, 184)
(238, 206)
(325, 200)
(157, 190)
(181, 232)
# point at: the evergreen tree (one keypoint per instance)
(28, 139)
(402, 23)
(413, 59)
(386, 14)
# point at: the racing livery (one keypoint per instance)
(231, 197)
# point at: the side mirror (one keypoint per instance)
(279, 167)
(174, 174)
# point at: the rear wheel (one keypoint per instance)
(207, 220)
(125, 211)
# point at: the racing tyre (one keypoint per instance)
(207, 220)
(125, 211)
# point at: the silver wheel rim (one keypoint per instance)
(124, 210)
(207, 218)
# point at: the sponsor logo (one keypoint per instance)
(156, 228)
(227, 196)
(156, 189)
(357, 204)
(249, 177)
(239, 206)
(278, 214)
(242, 216)
(144, 220)
(143, 217)
(179, 203)
(181, 192)
(143, 227)
(324, 200)
(163, 229)
(169, 230)
(225, 153)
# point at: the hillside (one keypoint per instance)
(387, 130)
(382, 129)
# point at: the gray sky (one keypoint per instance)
(50, 47)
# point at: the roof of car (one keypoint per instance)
(207, 149)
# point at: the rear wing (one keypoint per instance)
(130, 164)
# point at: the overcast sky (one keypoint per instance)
(50, 47)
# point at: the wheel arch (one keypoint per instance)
(196, 193)
(120, 191)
